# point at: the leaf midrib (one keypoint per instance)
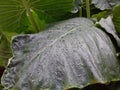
(55, 40)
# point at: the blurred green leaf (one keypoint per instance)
(100, 15)
(116, 11)
(116, 17)
(40, 23)
(5, 50)
(13, 12)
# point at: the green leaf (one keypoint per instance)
(12, 12)
(116, 17)
(40, 23)
(53, 8)
(102, 14)
(5, 50)
(71, 53)
(116, 11)
(105, 4)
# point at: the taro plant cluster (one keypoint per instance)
(34, 16)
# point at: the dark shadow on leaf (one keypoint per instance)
(111, 86)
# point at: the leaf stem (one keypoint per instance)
(80, 12)
(88, 8)
(30, 16)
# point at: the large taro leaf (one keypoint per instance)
(13, 12)
(105, 4)
(71, 53)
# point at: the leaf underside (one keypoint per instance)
(71, 53)
(105, 4)
(109, 27)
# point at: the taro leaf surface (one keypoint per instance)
(71, 53)
(105, 4)
(13, 12)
